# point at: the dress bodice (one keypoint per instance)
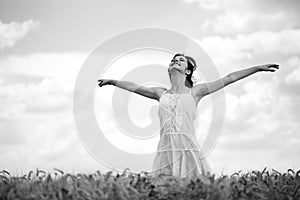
(177, 113)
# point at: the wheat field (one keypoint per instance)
(40, 185)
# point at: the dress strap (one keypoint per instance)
(164, 92)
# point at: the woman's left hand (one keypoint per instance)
(268, 67)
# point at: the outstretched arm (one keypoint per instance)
(210, 87)
(149, 92)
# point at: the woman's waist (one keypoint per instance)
(178, 128)
(168, 132)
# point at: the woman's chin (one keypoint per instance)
(175, 69)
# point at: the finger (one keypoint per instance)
(268, 70)
(275, 66)
(99, 80)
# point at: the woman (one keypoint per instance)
(178, 152)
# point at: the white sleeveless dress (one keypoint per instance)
(178, 152)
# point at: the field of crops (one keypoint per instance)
(59, 185)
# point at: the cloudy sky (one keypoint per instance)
(43, 45)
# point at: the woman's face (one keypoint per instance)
(178, 63)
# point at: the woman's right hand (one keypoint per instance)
(103, 82)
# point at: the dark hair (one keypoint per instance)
(191, 66)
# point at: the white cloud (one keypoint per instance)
(230, 22)
(12, 32)
(258, 121)
(212, 4)
(61, 67)
(231, 17)
(243, 48)
(254, 105)
(234, 22)
(294, 76)
(36, 126)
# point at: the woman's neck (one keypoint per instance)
(177, 82)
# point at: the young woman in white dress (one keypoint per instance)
(178, 152)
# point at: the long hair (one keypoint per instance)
(191, 66)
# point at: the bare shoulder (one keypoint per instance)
(159, 91)
(198, 92)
